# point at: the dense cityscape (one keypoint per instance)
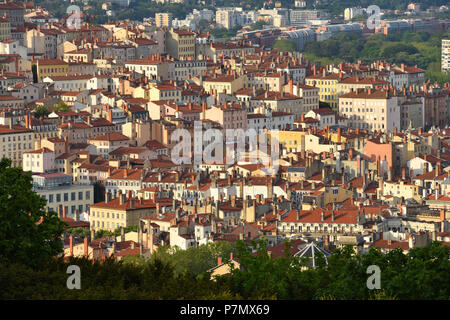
(243, 150)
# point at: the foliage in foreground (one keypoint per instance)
(421, 274)
(29, 271)
(23, 238)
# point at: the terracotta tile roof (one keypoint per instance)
(345, 216)
(115, 204)
(41, 150)
(51, 62)
(4, 129)
(278, 251)
(111, 136)
(384, 244)
(374, 94)
(75, 125)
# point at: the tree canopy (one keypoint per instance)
(22, 238)
(411, 48)
(285, 45)
(61, 107)
(41, 112)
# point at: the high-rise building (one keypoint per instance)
(445, 64)
(163, 20)
(350, 13)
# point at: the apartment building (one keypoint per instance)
(14, 141)
(230, 17)
(327, 84)
(401, 189)
(445, 61)
(50, 68)
(278, 101)
(14, 12)
(322, 221)
(154, 67)
(165, 92)
(228, 116)
(5, 29)
(163, 20)
(224, 83)
(123, 211)
(39, 161)
(310, 97)
(350, 13)
(104, 144)
(183, 69)
(371, 109)
(59, 191)
(180, 44)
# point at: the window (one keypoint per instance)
(58, 197)
(66, 196)
(80, 195)
(88, 195)
(72, 196)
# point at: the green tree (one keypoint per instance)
(22, 238)
(61, 107)
(285, 45)
(258, 25)
(195, 260)
(41, 112)
(79, 232)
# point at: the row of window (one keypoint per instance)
(101, 224)
(65, 196)
(103, 215)
(18, 138)
(72, 208)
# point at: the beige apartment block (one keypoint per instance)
(14, 141)
(122, 211)
(180, 44)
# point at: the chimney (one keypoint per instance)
(231, 256)
(64, 210)
(86, 252)
(219, 261)
(438, 169)
(71, 245)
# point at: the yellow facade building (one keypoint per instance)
(122, 211)
(51, 68)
